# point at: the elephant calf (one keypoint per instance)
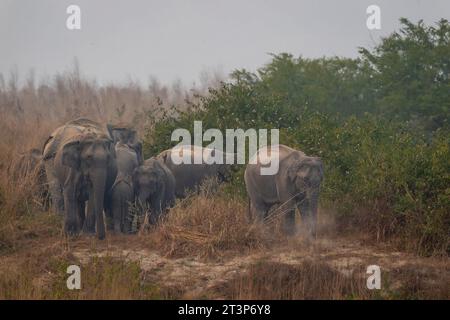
(154, 185)
(122, 191)
(295, 185)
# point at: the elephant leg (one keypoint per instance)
(109, 216)
(259, 210)
(71, 224)
(288, 206)
(117, 218)
(55, 191)
(121, 196)
(156, 209)
(289, 222)
(109, 211)
(127, 216)
(153, 215)
(119, 210)
(127, 220)
(308, 212)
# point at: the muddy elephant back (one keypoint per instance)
(72, 130)
(164, 157)
(85, 123)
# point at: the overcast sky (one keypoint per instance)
(177, 39)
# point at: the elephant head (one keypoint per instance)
(226, 167)
(147, 181)
(90, 159)
(305, 175)
(126, 135)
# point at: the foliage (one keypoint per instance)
(411, 73)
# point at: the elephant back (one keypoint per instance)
(84, 123)
(72, 130)
(264, 154)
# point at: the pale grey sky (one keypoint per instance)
(170, 39)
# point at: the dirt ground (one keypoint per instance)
(192, 277)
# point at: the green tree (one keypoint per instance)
(411, 71)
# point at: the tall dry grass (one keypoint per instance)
(210, 225)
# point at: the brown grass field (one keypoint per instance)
(205, 248)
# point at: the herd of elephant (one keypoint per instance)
(92, 172)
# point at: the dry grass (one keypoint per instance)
(211, 227)
(43, 276)
(316, 280)
(310, 280)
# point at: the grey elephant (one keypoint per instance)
(189, 176)
(154, 185)
(80, 165)
(122, 192)
(295, 185)
(126, 134)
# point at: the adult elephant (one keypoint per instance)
(295, 185)
(188, 174)
(122, 192)
(154, 185)
(80, 165)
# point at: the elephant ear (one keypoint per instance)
(50, 151)
(133, 137)
(320, 165)
(137, 146)
(71, 154)
(293, 167)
